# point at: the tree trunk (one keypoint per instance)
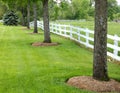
(28, 14)
(23, 17)
(100, 41)
(35, 17)
(47, 38)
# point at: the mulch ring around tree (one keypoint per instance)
(44, 44)
(25, 28)
(34, 33)
(88, 83)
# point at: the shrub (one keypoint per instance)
(10, 18)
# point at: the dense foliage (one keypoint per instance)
(81, 9)
(10, 18)
(76, 10)
(3, 9)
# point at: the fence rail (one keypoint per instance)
(83, 36)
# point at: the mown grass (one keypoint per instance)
(113, 27)
(28, 69)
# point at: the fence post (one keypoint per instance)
(30, 24)
(71, 31)
(60, 29)
(38, 24)
(56, 28)
(42, 25)
(65, 30)
(78, 34)
(87, 36)
(115, 44)
(50, 27)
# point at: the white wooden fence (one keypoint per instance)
(84, 36)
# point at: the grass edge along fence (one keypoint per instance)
(83, 36)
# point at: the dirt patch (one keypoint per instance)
(25, 28)
(88, 83)
(34, 33)
(44, 44)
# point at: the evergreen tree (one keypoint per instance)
(10, 18)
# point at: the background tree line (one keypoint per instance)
(82, 9)
(77, 9)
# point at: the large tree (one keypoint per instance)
(100, 41)
(28, 14)
(47, 38)
(35, 17)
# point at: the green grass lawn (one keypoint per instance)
(28, 69)
(113, 27)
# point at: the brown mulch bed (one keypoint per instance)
(33, 33)
(44, 44)
(25, 28)
(88, 83)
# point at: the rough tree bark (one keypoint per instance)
(28, 14)
(47, 38)
(23, 16)
(35, 17)
(100, 41)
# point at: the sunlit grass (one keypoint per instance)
(28, 69)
